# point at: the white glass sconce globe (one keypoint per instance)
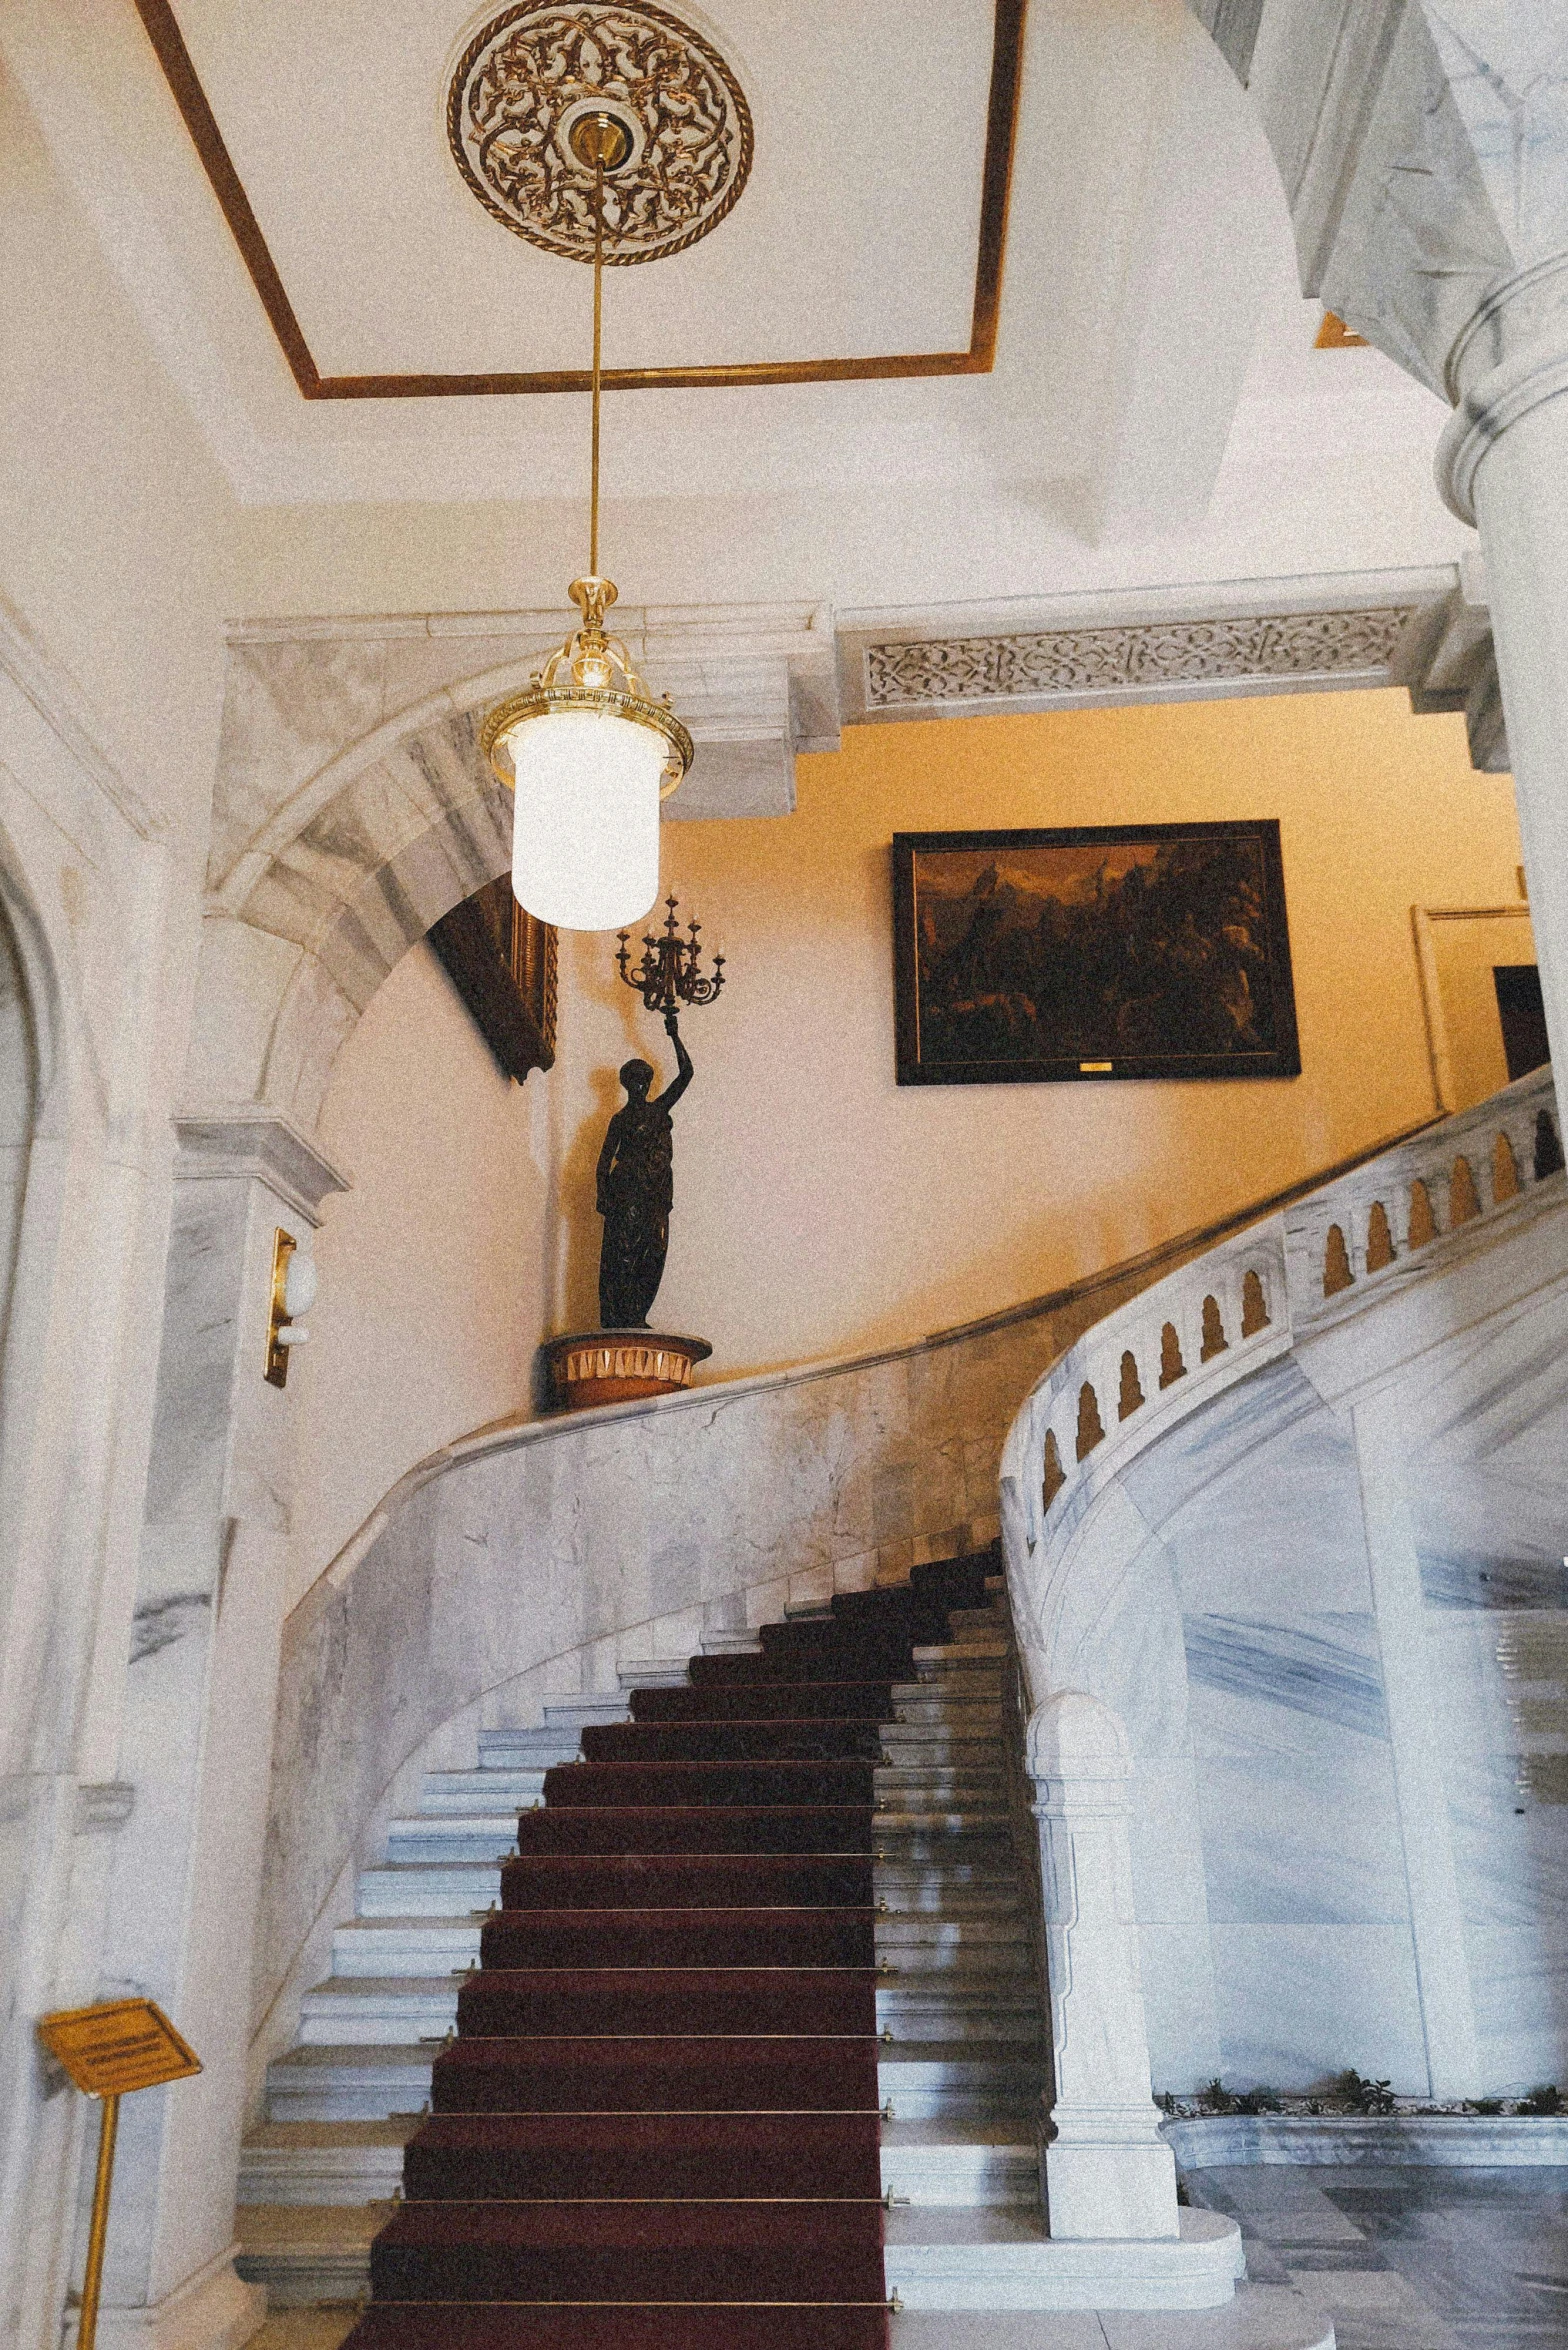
(585, 828)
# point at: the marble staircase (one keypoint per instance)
(960, 2011)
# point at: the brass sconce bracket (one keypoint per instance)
(277, 1371)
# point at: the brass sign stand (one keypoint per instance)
(108, 2051)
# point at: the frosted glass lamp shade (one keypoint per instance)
(585, 833)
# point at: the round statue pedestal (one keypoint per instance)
(618, 1366)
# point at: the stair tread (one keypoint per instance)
(946, 2224)
(1016, 2137)
(310, 2137)
(383, 2055)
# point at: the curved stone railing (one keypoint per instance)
(544, 1559)
(1219, 1317)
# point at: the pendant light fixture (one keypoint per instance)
(585, 749)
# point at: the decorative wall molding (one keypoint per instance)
(65, 710)
(1290, 647)
(1428, 630)
(1447, 661)
(217, 1145)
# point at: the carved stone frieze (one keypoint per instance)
(530, 72)
(1297, 647)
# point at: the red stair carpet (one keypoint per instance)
(657, 2126)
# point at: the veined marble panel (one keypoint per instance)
(1137, 1667)
(1491, 1533)
(1295, 1773)
(1511, 1854)
(1519, 1974)
(1461, 1650)
(1297, 2003)
(1305, 1838)
(1243, 1544)
(1176, 1965)
(1167, 1839)
(1322, 1666)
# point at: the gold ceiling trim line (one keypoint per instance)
(168, 42)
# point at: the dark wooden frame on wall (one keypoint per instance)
(920, 1066)
(168, 42)
(502, 963)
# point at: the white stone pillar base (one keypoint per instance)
(1112, 2190)
(213, 2310)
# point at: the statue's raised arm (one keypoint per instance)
(678, 1084)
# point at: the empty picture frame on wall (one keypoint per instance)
(1133, 950)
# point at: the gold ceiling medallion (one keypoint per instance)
(532, 76)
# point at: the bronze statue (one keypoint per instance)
(636, 1184)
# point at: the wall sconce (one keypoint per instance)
(293, 1293)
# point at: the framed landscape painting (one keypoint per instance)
(1132, 950)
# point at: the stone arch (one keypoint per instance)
(410, 827)
(30, 1100)
(18, 1107)
(353, 808)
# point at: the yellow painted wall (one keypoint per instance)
(435, 1268)
(821, 1208)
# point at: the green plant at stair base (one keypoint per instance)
(1543, 2099)
(1363, 2095)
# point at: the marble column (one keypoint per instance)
(1503, 465)
(1423, 146)
(200, 1701)
(1106, 2171)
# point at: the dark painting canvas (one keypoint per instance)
(1151, 950)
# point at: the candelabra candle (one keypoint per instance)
(667, 975)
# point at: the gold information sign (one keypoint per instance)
(109, 2050)
(122, 2045)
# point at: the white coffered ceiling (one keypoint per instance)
(870, 125)
(1151, 340)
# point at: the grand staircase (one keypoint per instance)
(756, 1973)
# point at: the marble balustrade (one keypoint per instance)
(1318, 1575)
(538, 1560)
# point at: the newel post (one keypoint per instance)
(1106, 2171)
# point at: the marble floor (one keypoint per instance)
(1409, 2259)
(1397, 2259)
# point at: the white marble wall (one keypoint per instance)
(1320, 1578)
(95, 953)
(1275, 1705)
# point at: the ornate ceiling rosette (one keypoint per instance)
(531, 72)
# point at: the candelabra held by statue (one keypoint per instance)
(634, 1193)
